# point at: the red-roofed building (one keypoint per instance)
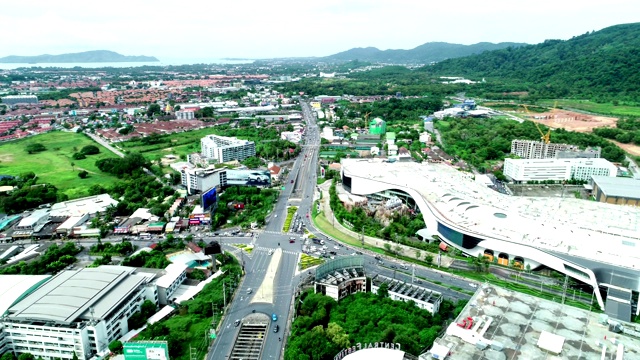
(275, 172)
(193, 247)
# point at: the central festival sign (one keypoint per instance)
(360, 346)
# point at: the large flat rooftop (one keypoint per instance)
(577, 227)
(69, 296)
(517, 321)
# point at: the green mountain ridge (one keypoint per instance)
(602, 65)
(424, 54)
(95, 56)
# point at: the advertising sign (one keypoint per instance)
(249, 177)
(146, 350)
(209, 199)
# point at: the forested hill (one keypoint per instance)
(95, 56)
(423, 54)
(597, 65)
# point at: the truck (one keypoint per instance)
(318, 241)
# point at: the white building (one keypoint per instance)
(88, 205)
(293, 136)
(34, 221)
(425, 137)
(197, 180)
(401, 291)
(76, 311)
(557, 169)
(175, 275)
(185, 115)
(327, 133)
(224, 149)
(532, 149)
(392, 150)
(341, 277)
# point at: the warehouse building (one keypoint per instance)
(19, 99)
(76, 312)
(621, 191)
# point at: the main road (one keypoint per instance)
(263, 291)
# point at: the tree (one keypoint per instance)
(153, 109)
(90, 150)
(387, 247)
(8, 356)
(383, 290)
(83, 174)
(35, 148)
(115, 347)
(428, 257)
(26, 356)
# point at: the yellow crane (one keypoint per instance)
(366, 117)
(546, 138)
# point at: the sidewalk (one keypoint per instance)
(406, 251)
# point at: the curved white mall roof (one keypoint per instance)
(594, 230)
(15, 287)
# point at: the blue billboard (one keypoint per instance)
(209, 199)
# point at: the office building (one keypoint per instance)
(223, 149)
(76, 312)
(198, 180)
(532, 149)
(615, 190)
(523, 170)
(19, 99)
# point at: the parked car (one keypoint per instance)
(274, 317)
(276, 328)
(237, 322)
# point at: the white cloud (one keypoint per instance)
(285, 28)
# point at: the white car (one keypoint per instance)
(270, 252)
(337, 247)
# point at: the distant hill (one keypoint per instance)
(603, 65)
(96, 56)
(423, 54)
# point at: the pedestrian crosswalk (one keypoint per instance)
(279, 233)
(265, 249)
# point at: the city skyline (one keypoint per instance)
(249, 29)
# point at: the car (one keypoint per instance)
(473, 285)
(237, 322)
(275, 216)
(249, 291)
(274, 317)
(292, 181)
(353, 254)
(276, 328)
(380, 262)
(270, 252)
(291, 241)
(337, 247)
(393, 267)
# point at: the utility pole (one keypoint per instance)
(224, 294)
(362, 235)
(564, 288)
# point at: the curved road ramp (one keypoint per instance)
(264, 294)
(250, 340)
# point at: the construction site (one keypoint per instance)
(499, 324)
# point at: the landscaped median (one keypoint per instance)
(307, 261)
(291, 210)
(246, 247)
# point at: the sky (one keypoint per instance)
(254, 29)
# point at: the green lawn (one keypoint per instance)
(177, 144)
(605, 108)
(54, 164)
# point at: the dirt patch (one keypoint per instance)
(6, 158)
(573, 121)
(630, 148)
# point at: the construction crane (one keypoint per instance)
(545, 138)
(366, 117)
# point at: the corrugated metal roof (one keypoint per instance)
(70, 295)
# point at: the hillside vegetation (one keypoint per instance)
(423, 54)
(600, 65)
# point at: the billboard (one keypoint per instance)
(209, 199)
(249, 177)
(146, 350)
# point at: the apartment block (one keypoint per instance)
(223, 149)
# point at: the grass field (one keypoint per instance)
(178, 144)
(54, 164)
(605, 108)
